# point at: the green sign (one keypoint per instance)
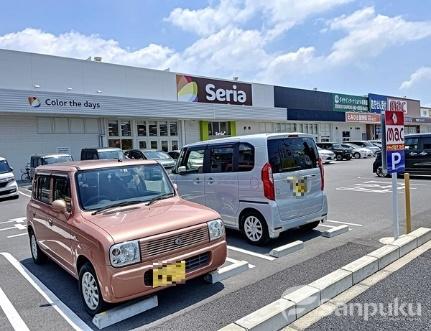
(351, 103)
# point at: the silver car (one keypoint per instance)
(163, 158)
(261, 184)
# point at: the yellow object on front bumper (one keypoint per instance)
(169, 274)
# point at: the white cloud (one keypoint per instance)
(278, 15)
(420, 75)
(369, 34)
(76, 45)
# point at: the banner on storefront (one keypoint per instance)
(198, 89)
(368, 118)
(377, 103)
(350, 103)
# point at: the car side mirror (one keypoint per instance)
(59, 206)
(182, 170)
(11, 169)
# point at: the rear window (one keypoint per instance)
(292, 154)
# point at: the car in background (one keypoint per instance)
(326, 155)
(359, 152)
(162, 157)
(134, 154)
(377, 143)
(106, 153)
(418, 153)
(132, 233)
(377, 165)
(261, 184)
(8, 185)
(38, 160)
(366, 144)
(341, 153)
(174, 154)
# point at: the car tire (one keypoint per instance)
(37, 255)
(310, 226)
(255, 229)
(339, 157)
(89, 290)
(348, 158)
(357, 155)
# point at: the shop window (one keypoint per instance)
(126, 129)
(142, 144)
(163, 128)
(153, 144)
(218, 129)
(245, 157)
(165, 147)
(126, 144)
(61, 125)
(114, 143)
(141, 127)
(113, 128)
(44, 125)
(175, 145)
(152, 128)
(76, 125)
(221, 159)
(92, 125)
(173, 129)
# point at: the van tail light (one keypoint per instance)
(268, 182)
(322, 174)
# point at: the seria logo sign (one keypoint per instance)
(34, 102)
(197, 89)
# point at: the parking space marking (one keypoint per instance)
(229, 259)
(74, 321)
(346, 223)
(15, 220)
(12, 315)
(18, 235)
(327, 226)
(241, 250)
(27, 195)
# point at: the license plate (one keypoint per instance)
(299, 186)
(169, 274)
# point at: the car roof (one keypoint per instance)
(417, 135)
(250, 138)
(2, 159)
(51, 155)
(102, 149)
(90, 164)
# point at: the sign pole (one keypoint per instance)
(395, 206)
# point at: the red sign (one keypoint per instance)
(397, 105)
(394, 121)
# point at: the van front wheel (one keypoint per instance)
(255, 229)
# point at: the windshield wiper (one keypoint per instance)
(160, 197)
(114, 205)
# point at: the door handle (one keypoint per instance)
(413, 153)
(210, 180)
(197, 180)
(308, 176)
(423, 153)
(50, 222)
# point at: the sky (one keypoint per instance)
(342, 46)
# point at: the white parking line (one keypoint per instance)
(326, 226)
(229, 259)
(18, 235)
(27, 195)
(74, 321)
(353, 224)
(12, 315)
(262, 256)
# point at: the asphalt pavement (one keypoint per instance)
(356, 198)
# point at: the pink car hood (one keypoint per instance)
(140, 221)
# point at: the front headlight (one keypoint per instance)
(125, 253)
(215, 229)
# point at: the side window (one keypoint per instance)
(412, 144)
(43, 188)
(193, 160)
(221, 159)
(426, 145)
(245, 157)
(62, 191)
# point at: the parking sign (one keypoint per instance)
(394, 130)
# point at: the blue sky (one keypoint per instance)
(345, 46)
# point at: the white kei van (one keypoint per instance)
(8, 185)
(261, 184)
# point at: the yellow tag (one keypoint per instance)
(169, 274)
(298, 186)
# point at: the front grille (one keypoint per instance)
(192, 263)
(171, 243)
(4, 183)
(8, 191)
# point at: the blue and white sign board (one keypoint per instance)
(377, 103)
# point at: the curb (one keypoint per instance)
(287, 249)
(335, 231)
(226, 272)
(286, 310)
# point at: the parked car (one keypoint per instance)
(261, 184)
(341, 153)
(162, 157)
(174, 154)
(134, 154)
(359, 152)
(326, 155)
(377, 165)
(120, 229)
(8, 185)
(418, 153)
(38, 160)
(377, 143)
(366, 144)
(106, 153)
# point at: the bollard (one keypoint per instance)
(408, 210)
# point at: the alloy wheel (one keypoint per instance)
(90, 291)
(253, 228)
